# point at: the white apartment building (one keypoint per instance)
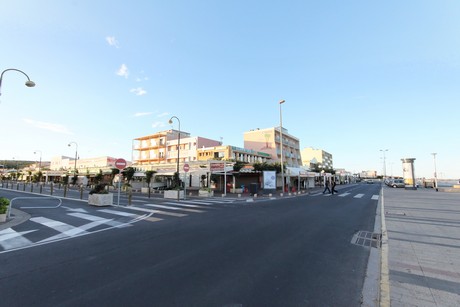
(312, 157)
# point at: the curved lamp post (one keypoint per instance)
(281, 147)
(178, 148)
(29, 83)
(76, 151)
(39, 163)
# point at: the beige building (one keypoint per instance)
(234, 153)
(312, 157)
(268, 141)
(162, 147)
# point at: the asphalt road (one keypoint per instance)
(285, 252)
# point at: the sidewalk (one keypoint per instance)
(423, 228)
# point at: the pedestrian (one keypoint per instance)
(326, 187)
(333, 187)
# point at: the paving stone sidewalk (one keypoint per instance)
(423, 229)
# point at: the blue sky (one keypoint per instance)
(357, 76)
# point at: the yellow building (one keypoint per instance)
(234, 153)
(312, 157)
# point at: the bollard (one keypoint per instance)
(239, 195)
(31, 187)
(270, 195)
(130, 196)
(41, 188)
(255, 195)
(51, 189)
(281, 194)
(65, 190)
(81, 192)
(59, 186)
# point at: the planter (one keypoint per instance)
(100, 199)
(204, 193)
(3, 218)
(173, 194)
(144, 190)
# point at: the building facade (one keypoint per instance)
(317, 158)
(228, 152)
(269, 141)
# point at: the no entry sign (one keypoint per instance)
(186, 167)
(120, 164)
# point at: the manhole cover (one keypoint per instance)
(367, 238)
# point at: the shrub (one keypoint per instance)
(4, 203)
(99, 189)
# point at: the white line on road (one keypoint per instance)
(344, 194)
(358, 195)
(375, 197)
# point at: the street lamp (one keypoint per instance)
(39, 163)
(76, 151)
(29, 83)
(435, 172)
(384, 163)
(281, 146)
(178, 150)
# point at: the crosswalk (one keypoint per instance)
(72, 223)
(348, 194)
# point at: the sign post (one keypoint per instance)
(120, 164)
(186, 169)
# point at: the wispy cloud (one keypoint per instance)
(139, 79)
(138, 114)
(112, 41)
(123, 71)
(47, 126)
(158, 124)
(163, 114)
(139, 91)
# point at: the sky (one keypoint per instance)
(358, 77)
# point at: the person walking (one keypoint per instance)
(326, 186)
(333, 187)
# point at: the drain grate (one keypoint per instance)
(367, 238)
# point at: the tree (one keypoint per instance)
(98, 178)
(115, 171)
(128, 173)
(148, 178)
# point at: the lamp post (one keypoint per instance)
(29, 83)
(435, 172)
(384, 163)
(39, 163)
(178, 150)
(281, 147)
(76, 155)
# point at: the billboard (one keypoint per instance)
(269, 180)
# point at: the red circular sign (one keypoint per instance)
(186, 168)
(120, 164)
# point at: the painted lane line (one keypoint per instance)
(344, 194)
(187, 205)
(174, 208)
(156, 211)
(358, 196)
(121, 213)
(12, 239)
(58, 226)
(196, 202)
(97, 219)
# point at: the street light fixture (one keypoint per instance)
(39, 163)
(435, 172)
(29, 83)
(178, 150)
(281, 146)
(384, 163)
(76, 153)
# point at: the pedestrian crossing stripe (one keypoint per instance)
(187, 205)
(344, 194)
(358, 196)
(375, 197)
(10, 238)
(155, 211)
(98, 219)
(120, 213)
(174, 208)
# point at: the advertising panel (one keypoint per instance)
(269, 180)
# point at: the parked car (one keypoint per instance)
(397, 183)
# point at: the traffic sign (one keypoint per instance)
(120, 164)
(186, 167)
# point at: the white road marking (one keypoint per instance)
(344, 194)
(10, 238)
(121, 213)
(155, 211)
(174, 208)
(375, 197)
(358, 195)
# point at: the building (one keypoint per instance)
(268, 141)
(317, 159)
(161, 147)
(227, 152)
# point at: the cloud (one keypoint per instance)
(158, 124)
(138, 91)
(112, 41)
(138, 114)
(123, 71)
(47, 126)
(163, 114)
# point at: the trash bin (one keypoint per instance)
(253, 187)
